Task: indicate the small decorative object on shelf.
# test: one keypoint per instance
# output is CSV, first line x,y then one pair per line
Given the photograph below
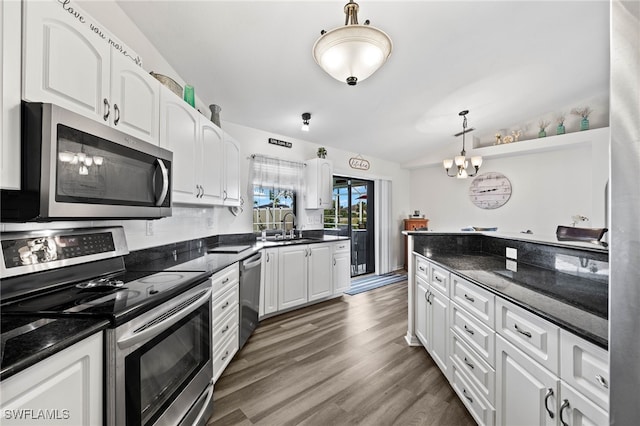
x,y
507,139
215,114
322,152
560,130
498,138
578,218
516,135
543,124
584,113
189,95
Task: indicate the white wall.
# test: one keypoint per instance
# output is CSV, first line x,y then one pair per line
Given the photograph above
x,y
547,189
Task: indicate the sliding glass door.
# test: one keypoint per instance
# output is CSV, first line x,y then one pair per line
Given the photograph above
x,y
352,216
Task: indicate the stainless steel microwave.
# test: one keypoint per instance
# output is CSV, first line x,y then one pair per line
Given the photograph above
x,y
76,168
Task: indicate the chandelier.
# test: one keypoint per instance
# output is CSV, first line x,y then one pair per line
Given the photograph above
x,y
353,52
461,161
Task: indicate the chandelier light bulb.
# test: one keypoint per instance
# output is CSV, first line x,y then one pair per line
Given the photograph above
x,y
98,160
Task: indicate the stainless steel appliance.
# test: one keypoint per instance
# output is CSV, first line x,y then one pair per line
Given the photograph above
x,y
75,167
158,348
249,295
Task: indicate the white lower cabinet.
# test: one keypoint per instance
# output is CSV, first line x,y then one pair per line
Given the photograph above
x,y
320,262
526,393
577,410
481,410
64,389
292,276
341,267
269,282
225,315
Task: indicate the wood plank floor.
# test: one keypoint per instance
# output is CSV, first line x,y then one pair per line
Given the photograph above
x,y
344,361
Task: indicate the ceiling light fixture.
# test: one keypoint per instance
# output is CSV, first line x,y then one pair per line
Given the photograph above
x,y
305,121
353,52
461,161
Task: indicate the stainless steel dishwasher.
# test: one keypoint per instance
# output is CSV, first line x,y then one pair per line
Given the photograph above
x,y
249,295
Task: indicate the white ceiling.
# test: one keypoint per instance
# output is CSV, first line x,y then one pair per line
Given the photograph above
x,y
505,61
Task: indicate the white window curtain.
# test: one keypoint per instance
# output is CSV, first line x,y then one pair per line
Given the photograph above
x,y
270,172
382,209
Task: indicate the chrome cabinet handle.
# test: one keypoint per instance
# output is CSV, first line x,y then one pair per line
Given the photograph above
x,y
468,330
116,111
469,298
464,392
107,109
225,305
565,404
546,400
224,330
224,193
226,354
521,331
421,268
226,280
267,256
334,262
426,295
468,363
437,278
603,382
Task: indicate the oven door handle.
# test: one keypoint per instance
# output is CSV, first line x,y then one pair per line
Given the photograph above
x,y
158,324
203,411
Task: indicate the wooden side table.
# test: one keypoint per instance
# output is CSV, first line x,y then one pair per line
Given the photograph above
x,y
411,225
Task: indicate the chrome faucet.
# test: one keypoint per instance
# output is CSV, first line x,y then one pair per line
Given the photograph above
x,y
293,223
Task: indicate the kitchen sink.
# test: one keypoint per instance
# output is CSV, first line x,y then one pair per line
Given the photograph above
x,y
288,241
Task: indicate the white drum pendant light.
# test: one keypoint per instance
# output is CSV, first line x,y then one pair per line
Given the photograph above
x,y
353,52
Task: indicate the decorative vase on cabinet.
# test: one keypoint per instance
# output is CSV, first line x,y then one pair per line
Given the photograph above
x,y
584,124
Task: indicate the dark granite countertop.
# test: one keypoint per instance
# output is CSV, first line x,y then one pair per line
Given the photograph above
x,y
27,340
574,302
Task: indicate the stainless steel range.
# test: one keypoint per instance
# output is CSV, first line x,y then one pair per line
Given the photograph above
x,y
158,366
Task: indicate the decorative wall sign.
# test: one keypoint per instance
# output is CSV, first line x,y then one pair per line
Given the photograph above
x,y
285,144
490,190
359,163
82,19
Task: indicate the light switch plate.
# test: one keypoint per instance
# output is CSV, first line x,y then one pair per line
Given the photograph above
x,y
512,253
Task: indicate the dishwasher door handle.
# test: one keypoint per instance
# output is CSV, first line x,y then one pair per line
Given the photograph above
x,y
251,263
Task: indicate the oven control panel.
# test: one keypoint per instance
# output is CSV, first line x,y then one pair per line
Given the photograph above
x,y
45,250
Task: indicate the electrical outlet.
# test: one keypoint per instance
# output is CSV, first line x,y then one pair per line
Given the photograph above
x,y
512,265
512,253
149,228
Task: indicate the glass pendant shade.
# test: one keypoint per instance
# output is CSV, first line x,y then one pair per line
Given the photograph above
x,y
447,163
460,160
476,161
352,51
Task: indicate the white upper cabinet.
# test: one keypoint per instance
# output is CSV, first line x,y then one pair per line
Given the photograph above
x,y
70,60
179,134
231,172
10,29
209,162
318,184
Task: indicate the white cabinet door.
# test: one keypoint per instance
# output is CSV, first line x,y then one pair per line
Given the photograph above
x,y
231,172
62,63
318,184
526,393
179,134
210,162
439,329
10,94
319,281
422,303
292,274
577,410
341,271
269,303
135,99
68,385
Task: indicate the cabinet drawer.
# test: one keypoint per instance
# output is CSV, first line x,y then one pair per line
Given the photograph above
x,y
575,409
222,328
480,409
225,303
474,299
342,247
585,367
422,268
439,278
476,334
222,357
533,335
224,279
476,369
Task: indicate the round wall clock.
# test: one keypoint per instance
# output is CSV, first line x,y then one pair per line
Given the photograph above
x,y
490,190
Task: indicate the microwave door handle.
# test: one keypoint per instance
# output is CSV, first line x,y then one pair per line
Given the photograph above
x,y
165,182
